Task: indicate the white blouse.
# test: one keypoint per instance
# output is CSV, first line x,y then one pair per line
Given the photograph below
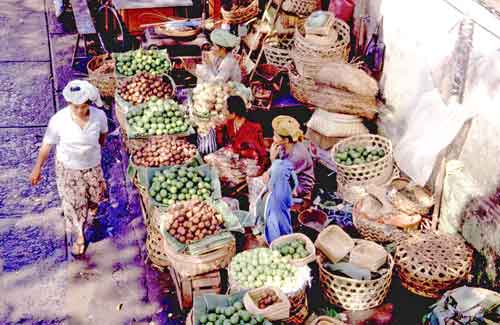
x,y
77,148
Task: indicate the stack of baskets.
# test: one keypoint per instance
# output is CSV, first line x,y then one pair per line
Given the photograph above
x,y
351,179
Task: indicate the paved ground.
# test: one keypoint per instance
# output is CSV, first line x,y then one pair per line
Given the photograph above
x,y
40,284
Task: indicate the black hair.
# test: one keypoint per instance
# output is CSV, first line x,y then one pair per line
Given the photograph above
x,y
237,106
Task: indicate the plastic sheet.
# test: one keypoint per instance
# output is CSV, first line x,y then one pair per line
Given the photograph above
x,y
419,147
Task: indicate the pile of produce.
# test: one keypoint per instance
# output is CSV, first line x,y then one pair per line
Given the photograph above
x,y
179,183
263,267
209,99
158,117
143,87
358,155
154,62
268,298
296,249
192,221
235,314
164,152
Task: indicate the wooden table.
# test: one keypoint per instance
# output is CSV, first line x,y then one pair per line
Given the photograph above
x,y
140,12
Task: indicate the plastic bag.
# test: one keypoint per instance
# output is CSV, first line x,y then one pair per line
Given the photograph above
x,y
431,128
458,190
343,9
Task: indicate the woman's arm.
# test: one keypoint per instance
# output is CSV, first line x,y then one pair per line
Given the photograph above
x,y
102,138
43,155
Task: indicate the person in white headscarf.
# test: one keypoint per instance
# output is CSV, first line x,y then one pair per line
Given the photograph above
x,y
220,64
78,131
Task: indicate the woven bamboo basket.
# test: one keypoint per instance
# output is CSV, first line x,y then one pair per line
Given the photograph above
x,y
372,230
299,307
277,311
336,50
352,294
241,15
155,242
354,193
309,246
277,51
302,8
327,320
301,87
101,71
430,263
191,265
376,172
309,66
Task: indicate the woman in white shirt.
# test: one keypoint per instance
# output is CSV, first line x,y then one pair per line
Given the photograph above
x,y
78,131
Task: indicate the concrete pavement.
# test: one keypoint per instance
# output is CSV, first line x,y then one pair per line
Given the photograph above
x,y
40,283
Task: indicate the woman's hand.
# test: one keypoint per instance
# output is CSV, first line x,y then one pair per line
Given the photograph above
x,y
274,151
35,176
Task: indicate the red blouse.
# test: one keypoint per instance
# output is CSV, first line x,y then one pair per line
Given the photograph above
x,y
248,141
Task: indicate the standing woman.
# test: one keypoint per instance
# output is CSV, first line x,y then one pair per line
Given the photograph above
x,y
78,131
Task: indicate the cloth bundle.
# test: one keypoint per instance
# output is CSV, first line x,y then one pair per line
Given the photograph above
x,y
347,77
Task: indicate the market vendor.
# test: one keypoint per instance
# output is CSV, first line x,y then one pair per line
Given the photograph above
x,y
78,131
245,138
288,144
220,65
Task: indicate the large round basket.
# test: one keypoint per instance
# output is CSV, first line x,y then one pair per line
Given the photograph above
x,y
301,87
297,236
302,8
309,66
241,15
354,294
277,51
101,71
336,50
376,172
430,263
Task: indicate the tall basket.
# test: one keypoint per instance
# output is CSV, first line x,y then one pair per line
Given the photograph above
x,y
101,71
277,51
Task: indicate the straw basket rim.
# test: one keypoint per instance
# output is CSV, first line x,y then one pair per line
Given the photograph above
x,y
358,138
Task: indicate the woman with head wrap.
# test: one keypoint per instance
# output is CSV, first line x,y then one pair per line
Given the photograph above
x,y
287,144
221,65
78,131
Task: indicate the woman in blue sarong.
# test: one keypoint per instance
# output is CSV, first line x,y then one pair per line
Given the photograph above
x,y
282,182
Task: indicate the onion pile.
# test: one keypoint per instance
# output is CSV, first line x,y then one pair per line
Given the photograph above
x,y
209,99
192,220
158,117
164,152
268,298
144,86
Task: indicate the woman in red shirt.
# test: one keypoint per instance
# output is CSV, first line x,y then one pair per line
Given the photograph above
x,y
246,138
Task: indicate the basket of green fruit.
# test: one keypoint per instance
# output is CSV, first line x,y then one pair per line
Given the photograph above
x,y
298,246
363,159
171,184
156,62
222,309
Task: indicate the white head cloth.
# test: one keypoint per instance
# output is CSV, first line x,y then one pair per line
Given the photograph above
x,y
80,91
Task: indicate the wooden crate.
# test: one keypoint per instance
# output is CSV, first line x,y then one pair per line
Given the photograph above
x,y
189,287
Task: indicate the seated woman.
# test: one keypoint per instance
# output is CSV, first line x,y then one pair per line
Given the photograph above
x,y
245,137
287,144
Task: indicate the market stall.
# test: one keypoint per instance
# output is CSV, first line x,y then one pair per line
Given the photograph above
x,y
276,141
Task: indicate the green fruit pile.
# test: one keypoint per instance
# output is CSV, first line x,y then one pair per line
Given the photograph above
x,y
158,117
358,155
154,62
180,183
235,314
296,249
262,267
